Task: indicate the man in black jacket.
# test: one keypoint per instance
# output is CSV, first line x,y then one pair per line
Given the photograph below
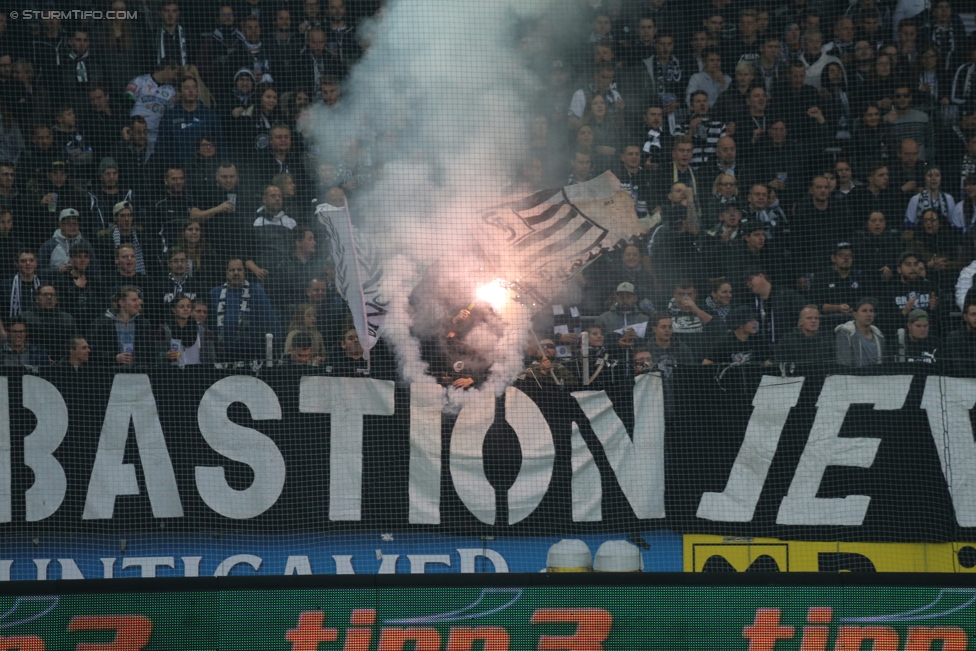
x,y
121,337
960,345
778,307
50,327
807,344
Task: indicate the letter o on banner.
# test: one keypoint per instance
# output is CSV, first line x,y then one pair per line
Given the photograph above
x,y
467,460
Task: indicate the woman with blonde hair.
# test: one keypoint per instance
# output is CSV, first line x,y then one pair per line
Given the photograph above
x,y
303,320
203,93
725,192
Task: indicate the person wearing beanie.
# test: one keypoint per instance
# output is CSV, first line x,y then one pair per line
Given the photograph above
x,y
860,342
741,344
914,343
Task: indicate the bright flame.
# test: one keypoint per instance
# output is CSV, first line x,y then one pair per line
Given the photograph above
x,y
494,293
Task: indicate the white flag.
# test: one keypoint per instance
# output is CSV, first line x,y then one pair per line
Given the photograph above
x,y
357,274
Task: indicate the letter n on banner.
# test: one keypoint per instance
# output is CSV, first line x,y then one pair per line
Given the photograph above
x,y
638,464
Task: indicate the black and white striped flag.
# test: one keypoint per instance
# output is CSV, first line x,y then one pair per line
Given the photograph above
x,y
539,242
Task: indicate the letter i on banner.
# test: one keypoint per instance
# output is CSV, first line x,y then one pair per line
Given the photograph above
x,y
358,272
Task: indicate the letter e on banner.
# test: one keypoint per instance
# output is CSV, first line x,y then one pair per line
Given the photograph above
x,y
824,448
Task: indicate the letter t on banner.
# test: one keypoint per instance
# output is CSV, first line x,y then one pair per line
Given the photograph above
x,y
346,400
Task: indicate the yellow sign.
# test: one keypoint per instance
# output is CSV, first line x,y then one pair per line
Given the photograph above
x,y
729,554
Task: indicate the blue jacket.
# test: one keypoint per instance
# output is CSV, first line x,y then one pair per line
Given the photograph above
x,y
243,339
180,129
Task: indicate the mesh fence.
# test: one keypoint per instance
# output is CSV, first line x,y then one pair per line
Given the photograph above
x,y
428,286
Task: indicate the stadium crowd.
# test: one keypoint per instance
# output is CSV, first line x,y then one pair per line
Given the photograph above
x,y
806,171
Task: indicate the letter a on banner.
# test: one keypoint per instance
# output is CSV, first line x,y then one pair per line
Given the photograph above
x,y
358,273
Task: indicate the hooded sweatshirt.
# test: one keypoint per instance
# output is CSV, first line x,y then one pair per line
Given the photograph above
x,y
854,349
55,250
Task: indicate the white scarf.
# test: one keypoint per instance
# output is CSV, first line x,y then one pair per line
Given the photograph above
x,y
222,307
926,202
281,219
162,45
15,293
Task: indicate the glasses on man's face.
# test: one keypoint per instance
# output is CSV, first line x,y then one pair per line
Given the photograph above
x,y
17,332
931,220
553,346
48,294
901,95
208,145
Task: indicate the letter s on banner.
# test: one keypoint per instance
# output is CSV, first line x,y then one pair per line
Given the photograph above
x,y
824,448
241,444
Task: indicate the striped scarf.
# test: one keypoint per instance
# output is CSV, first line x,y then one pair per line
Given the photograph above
x,y
926,202
16,291
140,260
222,308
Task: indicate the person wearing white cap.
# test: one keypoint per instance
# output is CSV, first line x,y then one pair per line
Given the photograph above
x,y
53,255
619,319
624,312
569,555
618,556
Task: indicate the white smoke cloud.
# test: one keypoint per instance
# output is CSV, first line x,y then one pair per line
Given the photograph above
x,y
444,91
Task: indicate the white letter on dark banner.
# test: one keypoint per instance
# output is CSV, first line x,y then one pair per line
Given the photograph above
x,y
50,484
538,454
241,444
824,448
5,488
947,402
637,464
586,487
771,406
346,400
132,401
467,460
426,402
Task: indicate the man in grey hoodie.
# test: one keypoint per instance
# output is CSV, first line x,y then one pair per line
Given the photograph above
x,y
53,257
859,342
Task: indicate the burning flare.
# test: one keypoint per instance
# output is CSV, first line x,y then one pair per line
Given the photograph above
x,y
496,293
